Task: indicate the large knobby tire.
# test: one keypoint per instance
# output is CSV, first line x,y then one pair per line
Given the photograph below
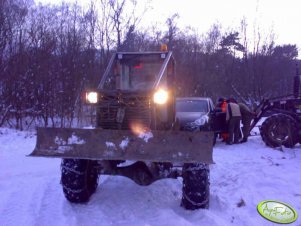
x,y
79,179
279,129
195,186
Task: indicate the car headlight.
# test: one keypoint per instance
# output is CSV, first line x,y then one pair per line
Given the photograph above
x,y
91,97
161,96
202,120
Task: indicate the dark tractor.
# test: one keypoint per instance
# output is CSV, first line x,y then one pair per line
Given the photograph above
x,y
136,134
283,123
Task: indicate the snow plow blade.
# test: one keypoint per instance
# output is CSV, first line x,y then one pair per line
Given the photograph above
x,y
99,144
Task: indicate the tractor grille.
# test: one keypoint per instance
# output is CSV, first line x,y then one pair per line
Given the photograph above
x,y
121,111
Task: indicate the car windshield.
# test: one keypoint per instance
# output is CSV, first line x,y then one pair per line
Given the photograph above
x,y
192,106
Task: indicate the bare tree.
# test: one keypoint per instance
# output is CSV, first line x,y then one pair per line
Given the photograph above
x,y
213,38
172,31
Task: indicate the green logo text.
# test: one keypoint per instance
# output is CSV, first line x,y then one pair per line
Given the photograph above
x,y
277,212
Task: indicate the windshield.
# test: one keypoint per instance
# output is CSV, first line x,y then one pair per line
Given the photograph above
x,y
134,71
192,106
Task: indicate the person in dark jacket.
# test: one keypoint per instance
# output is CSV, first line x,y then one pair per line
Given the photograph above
x,y
246,118
222,105
233,117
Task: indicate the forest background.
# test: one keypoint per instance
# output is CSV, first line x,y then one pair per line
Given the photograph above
x,y
49,54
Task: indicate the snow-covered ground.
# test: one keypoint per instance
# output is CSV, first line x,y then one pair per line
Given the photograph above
x,y
243,176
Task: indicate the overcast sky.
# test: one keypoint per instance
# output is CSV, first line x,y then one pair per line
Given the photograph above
x,y
283,17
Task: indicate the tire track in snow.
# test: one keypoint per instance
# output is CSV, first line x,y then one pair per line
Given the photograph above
x,y
18,189
48,204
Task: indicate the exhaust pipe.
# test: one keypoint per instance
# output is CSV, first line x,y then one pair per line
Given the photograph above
x,y
297,82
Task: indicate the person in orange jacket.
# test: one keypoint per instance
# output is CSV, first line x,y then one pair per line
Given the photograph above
x,y
222,104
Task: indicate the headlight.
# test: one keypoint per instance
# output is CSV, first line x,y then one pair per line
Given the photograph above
x,y
91,97
202,120
161,96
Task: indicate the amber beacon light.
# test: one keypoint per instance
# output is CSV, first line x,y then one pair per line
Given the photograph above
x,y
164,47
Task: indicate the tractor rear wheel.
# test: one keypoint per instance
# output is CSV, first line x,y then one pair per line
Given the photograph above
x,y
195,186
79,179
279,129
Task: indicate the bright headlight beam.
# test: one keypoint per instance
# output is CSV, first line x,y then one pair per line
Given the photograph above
x,y
92,97
161,96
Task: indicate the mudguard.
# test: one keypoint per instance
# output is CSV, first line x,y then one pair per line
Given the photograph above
x,y
100,144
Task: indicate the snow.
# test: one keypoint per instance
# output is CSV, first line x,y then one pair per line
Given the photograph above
x,y
75,140
110,145
124,143
66,146
243,176
146,136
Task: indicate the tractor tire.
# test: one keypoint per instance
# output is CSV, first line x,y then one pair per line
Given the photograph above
x,y
195,186
279,129
79,179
